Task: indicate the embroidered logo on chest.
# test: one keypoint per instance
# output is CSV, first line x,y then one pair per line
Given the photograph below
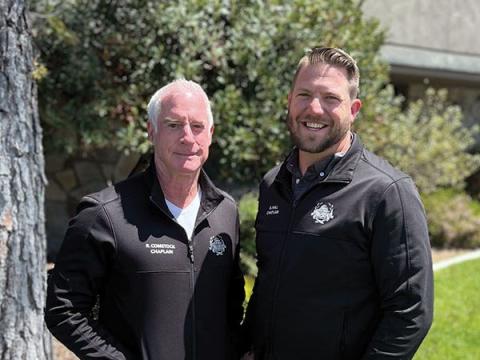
x,y
217,245
322,213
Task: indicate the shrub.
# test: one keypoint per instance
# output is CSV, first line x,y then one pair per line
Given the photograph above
x,y
106,58
427,140
247,207
454,219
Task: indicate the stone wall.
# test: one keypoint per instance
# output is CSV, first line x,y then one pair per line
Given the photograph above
x,y
72,176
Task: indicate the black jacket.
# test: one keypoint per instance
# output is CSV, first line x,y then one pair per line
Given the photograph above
x,y
159,296
345,272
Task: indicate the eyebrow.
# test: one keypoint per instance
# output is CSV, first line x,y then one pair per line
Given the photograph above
x,y
169,119
302,90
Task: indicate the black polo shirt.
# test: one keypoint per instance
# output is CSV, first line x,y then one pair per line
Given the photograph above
x,y
314,174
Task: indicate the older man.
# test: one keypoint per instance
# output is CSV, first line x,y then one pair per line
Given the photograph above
x,y
158,252
344,259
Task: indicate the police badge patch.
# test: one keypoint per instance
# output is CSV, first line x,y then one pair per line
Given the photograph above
x,y
322,213
217,245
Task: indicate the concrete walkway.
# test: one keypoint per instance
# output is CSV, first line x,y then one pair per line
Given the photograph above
x,y
457,259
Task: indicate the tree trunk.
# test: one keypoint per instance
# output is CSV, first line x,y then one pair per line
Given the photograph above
x,y
22,185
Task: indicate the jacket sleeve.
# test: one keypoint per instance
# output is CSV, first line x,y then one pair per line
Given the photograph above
x,y
236,293
402,265
76,281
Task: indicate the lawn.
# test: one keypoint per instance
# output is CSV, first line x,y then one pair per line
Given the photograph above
x,y
455,333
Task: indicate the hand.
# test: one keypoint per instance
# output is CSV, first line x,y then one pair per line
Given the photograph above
x,y
248,356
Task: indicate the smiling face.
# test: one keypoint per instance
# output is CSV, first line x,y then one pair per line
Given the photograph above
x,y
320,110
184,133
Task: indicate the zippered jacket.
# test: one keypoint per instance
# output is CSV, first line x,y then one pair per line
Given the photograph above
x,y
128,284
345,271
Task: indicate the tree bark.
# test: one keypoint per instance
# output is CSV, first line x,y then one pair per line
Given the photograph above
x,y
22,185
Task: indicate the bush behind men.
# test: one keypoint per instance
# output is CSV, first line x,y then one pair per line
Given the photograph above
x,y
344,263
160,250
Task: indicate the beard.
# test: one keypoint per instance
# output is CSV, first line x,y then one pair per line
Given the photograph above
x,y
310,143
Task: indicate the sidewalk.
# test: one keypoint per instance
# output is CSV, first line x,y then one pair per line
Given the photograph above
x,y
475,254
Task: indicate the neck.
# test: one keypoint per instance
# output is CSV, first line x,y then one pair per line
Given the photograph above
x,y
306,159
178,189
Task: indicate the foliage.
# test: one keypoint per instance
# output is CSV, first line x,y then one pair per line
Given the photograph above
x,y
455,334
100,61
249,282
106,58
427,140
454,219
247,207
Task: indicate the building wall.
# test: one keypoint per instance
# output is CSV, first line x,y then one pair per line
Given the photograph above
x,y
433,43
434,39
445,25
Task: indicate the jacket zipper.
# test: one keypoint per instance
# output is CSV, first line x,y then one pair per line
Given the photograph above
x,y
269,350
192,280
191,257
192,283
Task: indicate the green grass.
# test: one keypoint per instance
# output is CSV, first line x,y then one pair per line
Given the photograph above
x,y
455,333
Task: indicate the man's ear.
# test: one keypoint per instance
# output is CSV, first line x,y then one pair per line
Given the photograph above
x,y
150,131
355,108
211,131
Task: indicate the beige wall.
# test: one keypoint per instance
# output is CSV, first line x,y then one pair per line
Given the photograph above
x,y
449,25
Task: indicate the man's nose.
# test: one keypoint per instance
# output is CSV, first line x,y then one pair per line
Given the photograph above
x,y
187,136
316,106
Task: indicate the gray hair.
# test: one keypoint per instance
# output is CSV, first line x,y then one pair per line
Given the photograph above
x,y
155,104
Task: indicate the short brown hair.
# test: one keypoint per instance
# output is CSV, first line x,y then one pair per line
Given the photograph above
x,y
335,57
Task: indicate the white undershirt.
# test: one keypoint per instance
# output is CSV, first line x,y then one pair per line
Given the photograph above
x,y
186,217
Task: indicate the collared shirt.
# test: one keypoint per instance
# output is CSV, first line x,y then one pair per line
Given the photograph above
x,y
315,173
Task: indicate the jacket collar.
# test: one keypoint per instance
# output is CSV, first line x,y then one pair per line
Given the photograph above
x,y
211,195
342,172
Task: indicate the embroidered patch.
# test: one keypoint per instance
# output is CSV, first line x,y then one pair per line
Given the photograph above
x,y
166,249
322,213
273,210
217,245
